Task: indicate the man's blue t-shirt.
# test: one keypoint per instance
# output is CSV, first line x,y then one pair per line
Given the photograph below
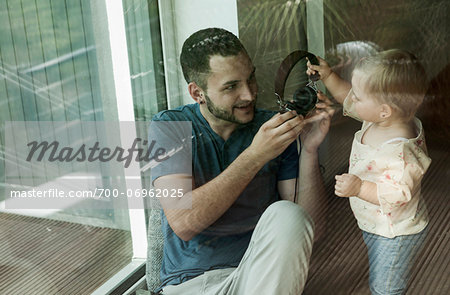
x,y
224,243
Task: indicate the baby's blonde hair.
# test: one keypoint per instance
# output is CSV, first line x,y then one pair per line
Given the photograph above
x,y
395,77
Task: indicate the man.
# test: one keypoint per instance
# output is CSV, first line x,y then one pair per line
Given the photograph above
x,y
243,234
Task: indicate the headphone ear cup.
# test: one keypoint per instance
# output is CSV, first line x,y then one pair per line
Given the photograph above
x,y
304,100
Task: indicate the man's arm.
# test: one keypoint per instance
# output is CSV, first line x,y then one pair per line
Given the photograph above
x,y
209,201
310,189
310,186
213,199
286,189
312,194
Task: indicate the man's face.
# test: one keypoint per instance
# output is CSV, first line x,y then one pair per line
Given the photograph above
x,y
232,88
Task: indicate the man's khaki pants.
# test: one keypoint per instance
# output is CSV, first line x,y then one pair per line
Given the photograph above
x,y
275,263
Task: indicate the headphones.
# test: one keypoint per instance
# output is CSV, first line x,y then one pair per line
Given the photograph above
x,y
305,98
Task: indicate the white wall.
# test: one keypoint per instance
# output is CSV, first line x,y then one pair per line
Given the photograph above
x,y
181,18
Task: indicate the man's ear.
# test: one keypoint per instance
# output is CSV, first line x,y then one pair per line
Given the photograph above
x,y
196,92
386,111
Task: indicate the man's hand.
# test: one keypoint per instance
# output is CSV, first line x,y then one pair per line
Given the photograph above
x,y
324,102
347,185
317,126
275,136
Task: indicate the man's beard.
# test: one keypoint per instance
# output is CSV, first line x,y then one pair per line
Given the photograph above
x,y
223,114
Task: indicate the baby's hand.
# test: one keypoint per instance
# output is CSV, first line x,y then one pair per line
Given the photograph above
x,y
347,185
323,68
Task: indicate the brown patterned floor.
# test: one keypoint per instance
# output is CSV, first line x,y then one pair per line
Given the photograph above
x,y
41,256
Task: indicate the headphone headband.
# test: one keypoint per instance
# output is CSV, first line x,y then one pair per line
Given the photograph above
x,y
286,67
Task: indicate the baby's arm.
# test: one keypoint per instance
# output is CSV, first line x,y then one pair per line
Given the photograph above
x,y
337,86
350,185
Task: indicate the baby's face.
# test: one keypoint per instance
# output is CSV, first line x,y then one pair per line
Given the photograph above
x,y
366,106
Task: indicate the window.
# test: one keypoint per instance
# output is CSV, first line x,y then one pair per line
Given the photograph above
x,y
62,70
70,68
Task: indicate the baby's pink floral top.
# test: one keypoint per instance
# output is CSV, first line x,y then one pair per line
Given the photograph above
x,y
397,168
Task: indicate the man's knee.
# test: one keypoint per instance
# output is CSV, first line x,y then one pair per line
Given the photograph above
x,y
288,212
289,220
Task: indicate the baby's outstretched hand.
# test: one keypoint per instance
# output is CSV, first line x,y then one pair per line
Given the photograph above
x,y
347,185
323,69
